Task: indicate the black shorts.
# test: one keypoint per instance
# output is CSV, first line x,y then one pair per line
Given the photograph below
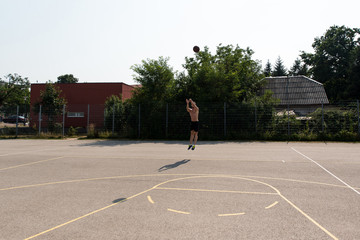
x,y
194,126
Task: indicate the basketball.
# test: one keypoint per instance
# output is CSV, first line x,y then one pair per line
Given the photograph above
x,y
196,49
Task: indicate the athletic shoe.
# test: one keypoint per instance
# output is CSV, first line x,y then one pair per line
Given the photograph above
x,y
193,147
189,147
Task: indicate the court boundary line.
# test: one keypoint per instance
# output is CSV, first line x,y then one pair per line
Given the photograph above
x,y
318,164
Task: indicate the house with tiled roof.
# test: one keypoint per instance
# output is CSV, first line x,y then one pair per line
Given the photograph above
x,y
301,94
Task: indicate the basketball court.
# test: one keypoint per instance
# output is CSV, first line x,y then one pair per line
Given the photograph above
x,y
89,189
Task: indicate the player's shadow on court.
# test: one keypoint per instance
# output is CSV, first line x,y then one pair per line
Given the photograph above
x,y
174,165
119,200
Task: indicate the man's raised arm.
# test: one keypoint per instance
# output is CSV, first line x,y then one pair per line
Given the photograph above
x,y
193,104
187,105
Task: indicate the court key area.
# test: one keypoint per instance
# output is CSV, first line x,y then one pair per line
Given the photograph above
x,y
98,189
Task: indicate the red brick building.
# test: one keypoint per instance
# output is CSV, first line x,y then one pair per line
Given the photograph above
x,y
85,102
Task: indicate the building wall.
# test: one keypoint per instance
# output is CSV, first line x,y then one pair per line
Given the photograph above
x,y
82,98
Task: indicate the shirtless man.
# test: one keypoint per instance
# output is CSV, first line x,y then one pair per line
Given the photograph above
x,y
194,127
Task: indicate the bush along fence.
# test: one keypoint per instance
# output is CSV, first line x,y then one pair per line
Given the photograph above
x,y
218,121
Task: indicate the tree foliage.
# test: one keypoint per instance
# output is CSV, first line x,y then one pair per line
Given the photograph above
x,y
279,68
115,113
333,62
156,78
230,75
267,69
299,68
14,90
51,102
67,78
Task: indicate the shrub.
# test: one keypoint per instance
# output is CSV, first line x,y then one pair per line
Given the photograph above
x,y
72,131
92,132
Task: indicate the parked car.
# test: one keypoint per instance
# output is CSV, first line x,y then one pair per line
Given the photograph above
x,y
12,119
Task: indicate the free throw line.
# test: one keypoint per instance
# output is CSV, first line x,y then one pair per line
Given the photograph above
x,y
326,170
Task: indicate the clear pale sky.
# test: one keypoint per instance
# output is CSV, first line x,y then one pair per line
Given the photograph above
x,y
99,40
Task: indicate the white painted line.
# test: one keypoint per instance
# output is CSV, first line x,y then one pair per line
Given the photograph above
x,y
326,170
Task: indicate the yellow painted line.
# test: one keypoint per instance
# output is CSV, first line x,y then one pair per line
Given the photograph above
x,y
106,207
272,187
27,164
30,151
150,200
184,178
18,153
218,191
272,205
163,175
78,180
176,211
296,181
86,215
231,214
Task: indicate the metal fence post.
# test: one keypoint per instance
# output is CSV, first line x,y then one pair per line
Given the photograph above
x,y
322,116
17,120
63,123
113,120
40,120
88,117
167,119
287,100
105,126
224,119
255,118
288,113
139,121
358,116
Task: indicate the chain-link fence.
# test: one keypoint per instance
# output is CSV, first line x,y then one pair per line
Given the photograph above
x,y
234,121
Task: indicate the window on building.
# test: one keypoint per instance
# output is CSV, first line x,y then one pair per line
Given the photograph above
x,y
75,114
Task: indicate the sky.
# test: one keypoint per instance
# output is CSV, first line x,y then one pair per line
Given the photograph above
x,y
99,40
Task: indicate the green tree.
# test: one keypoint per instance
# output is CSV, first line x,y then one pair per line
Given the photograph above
x,y
279,68
115,113
332,62
51,103
354,78
267,69
230,75
299,68
67,78
156,78
14,90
